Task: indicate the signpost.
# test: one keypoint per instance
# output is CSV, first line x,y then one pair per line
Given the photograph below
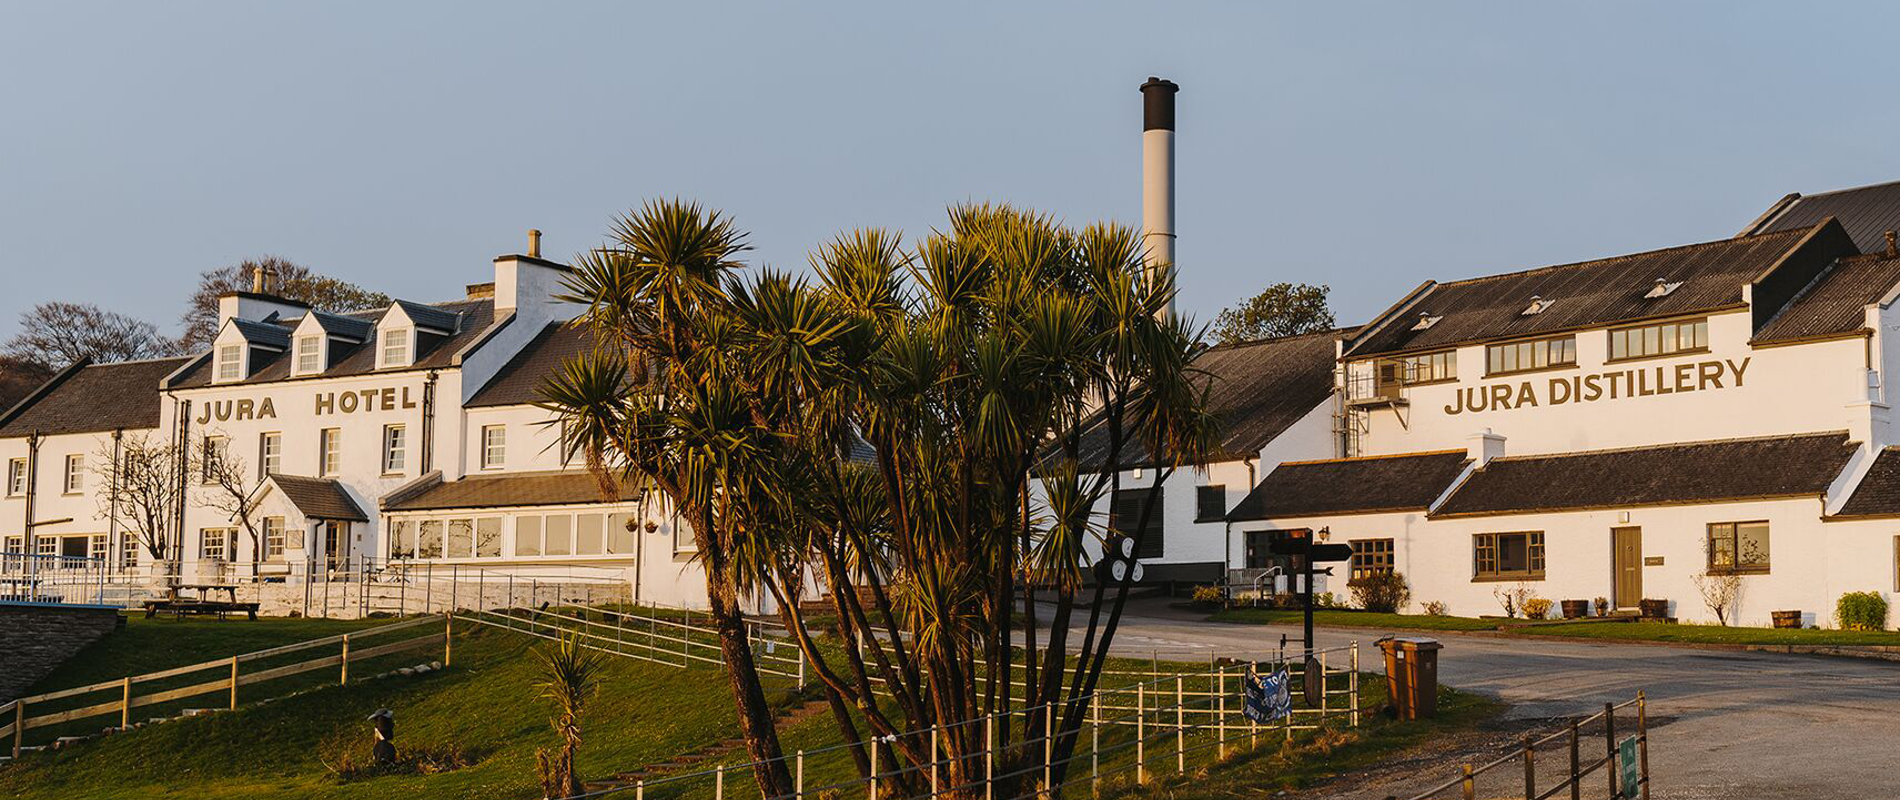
x,y
1300,545
1629,768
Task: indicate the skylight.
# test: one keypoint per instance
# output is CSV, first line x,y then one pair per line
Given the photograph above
x,y
1426,321
1662,289
1537,306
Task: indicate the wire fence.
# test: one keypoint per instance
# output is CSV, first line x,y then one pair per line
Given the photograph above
x,y
39,578
1572,755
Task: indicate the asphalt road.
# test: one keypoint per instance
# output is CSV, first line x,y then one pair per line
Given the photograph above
x,y
1725,724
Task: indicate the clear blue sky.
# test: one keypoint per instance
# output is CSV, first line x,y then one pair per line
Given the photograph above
x,y
1369,146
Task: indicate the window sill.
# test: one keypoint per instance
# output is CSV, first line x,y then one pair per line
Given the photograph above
x,y
1528,576
1433,382
1531,371
1738,570
1655,356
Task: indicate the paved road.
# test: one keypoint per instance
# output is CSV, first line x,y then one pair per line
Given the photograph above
x,y
1731,724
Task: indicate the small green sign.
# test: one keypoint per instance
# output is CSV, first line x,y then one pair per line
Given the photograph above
x,y
1631,767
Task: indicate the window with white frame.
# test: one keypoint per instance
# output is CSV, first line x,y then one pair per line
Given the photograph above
x,y
461,538
396,347
395,449
527,536
128,550
75,473
273,538
329,451
488,537
211,461
16,477
402,539
309,355
494,446
270,454
96,547
429,539
683,541
1661,339
12,546
211,543
46,545
230,362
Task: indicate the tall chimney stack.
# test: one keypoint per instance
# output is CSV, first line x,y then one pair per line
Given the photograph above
x,y
534,243
1157,175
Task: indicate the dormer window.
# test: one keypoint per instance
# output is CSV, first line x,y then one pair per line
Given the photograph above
x,y
396,347
309,355
230,362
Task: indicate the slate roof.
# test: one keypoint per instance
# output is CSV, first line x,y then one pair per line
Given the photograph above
x,y
1835,303
1256,391
1867,212
1364,485
1697,472
319,498
476,316
512,489
518,382
1602,292
92,398
428,316
269,333
1878,494
339,325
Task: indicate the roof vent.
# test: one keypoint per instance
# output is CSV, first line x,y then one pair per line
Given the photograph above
x,y
1425,321
1893,244
1662,288
1537,306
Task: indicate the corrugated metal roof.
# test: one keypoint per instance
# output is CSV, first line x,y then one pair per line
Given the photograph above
x,y
93,398
1696,472
1867,212
1256,390
1581,295
1367,485
1835,304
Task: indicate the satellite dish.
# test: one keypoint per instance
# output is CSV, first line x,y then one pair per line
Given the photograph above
x,y
1127,547
1138,572
1117,569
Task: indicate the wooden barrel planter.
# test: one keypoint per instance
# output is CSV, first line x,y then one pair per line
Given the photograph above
x,y
1787,619
1653,609
1576,609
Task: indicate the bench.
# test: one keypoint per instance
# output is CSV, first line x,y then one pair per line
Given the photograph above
x,y
178,608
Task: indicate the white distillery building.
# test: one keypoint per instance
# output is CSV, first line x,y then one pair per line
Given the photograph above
x,y
403,437
1611,429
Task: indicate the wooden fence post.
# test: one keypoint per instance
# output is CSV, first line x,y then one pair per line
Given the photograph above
x,y
1642,739
1141,733
234,682
1180,728
125,702
1530,766
798,779
19,726
1469,785
1576,765
345,677
1609,749
448,638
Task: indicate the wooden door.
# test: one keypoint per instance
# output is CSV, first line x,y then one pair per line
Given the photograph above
x,y
1627,545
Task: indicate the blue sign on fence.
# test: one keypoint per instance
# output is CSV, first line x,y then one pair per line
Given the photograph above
x,y
1267,698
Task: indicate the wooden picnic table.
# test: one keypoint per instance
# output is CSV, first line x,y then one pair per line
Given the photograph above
x,y
178,606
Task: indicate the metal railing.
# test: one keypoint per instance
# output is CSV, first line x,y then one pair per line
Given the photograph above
x,y
1625,762
31,578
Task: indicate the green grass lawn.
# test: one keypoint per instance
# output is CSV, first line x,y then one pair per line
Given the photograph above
x,y
149,645
1353,619
1607,631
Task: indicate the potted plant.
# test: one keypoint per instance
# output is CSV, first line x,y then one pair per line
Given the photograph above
x,y
1787,619
1653,609
1603,606
1576,609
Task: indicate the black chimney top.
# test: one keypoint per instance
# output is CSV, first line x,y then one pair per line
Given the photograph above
x,y
1157,102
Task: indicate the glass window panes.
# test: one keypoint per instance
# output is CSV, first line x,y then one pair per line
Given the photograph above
x,y
230,362
270,453
1660,339
1429,367
558,530
588,535
273,537
329,451
461,534
16,477
309,354
1508,555
396,347
1210,502
1738,546
211,544
129,550
683,536
429,539
619,539
527,536
402,539
75,473
1371,557
395,448
1538,354
494,446
488,537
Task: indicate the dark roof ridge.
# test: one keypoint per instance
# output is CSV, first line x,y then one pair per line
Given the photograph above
x,y
1350,459
1623,256
1339,331
39,392
1847,189
1670,445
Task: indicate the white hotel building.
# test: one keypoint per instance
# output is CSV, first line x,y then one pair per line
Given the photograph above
x,y
1604,429
406,435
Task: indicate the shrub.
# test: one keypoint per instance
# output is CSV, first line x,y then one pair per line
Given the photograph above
x,y
1861,611
1512,599
1208,596
1435,608
1536,607
1384,592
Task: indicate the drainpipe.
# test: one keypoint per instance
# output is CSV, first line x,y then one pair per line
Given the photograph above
x,y
32,488
428,424
114,542
183,443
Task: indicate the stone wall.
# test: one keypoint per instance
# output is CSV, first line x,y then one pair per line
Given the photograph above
x,y
37,639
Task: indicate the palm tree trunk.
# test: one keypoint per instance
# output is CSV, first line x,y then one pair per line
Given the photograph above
x,y
755,715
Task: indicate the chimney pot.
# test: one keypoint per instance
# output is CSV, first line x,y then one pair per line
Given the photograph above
x,y
257,279
534,243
